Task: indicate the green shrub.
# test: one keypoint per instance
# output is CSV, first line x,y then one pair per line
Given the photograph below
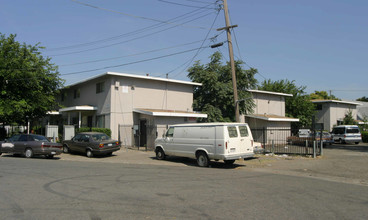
x,y
103,130
365,136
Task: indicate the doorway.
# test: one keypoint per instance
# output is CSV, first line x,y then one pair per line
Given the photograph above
x,y
143,133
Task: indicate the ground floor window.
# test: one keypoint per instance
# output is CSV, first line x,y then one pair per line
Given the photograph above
x,y
100,121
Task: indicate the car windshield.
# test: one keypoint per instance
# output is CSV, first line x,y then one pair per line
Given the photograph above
x,y
100,137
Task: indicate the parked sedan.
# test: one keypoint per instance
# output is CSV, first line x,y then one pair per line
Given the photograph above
x,y
30,145
91,143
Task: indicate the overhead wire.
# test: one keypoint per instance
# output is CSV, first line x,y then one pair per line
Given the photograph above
x,y
163,23
131,55
135,16
126,41
196,54
180,4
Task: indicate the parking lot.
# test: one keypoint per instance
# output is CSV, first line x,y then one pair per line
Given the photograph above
x,y
341,163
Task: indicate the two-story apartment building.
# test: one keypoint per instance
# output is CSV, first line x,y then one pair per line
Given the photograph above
x,y
332,112
136,108
268,121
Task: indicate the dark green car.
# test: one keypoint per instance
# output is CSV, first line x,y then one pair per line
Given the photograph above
x,y
91,143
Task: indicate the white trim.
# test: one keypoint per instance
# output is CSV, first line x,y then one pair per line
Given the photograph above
x,y
53,113
137,77
170,114
269,92
270,118
335,101
79,108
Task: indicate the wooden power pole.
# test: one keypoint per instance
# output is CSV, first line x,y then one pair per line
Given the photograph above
x,y
232,63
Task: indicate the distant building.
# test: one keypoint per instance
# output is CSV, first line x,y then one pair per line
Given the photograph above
x,y
332,112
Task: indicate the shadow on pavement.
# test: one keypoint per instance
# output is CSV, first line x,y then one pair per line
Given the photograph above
x,y
193,162
362,147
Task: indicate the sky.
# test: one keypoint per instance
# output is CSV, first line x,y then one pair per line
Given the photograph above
x,y
321,45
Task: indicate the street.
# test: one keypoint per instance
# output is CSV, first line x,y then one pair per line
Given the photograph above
x,y
63,189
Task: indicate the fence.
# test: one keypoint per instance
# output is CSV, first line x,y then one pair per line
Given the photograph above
x,y
283,141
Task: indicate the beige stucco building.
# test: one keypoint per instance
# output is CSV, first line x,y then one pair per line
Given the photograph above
x,y
136,108
331,112
268,121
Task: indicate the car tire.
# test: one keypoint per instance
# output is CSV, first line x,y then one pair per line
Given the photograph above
x,y
355,143
49,156
66,149
89,153
160,154
28,153
229,162
202,159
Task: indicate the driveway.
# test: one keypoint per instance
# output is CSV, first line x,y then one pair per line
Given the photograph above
x,y
340,163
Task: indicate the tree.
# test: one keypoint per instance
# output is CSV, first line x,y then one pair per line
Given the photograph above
x,y
363,99
348,119
29,82
298,106
322,95
215,97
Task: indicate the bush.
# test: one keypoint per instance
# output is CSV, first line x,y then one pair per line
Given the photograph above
x,y
103,130
365,136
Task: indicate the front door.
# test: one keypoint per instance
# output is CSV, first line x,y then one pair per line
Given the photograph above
x,y
142,133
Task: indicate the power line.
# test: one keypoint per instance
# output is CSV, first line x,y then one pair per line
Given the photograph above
x,y
191,60
180,4
130,63
126,41
169,21
135,16
130,55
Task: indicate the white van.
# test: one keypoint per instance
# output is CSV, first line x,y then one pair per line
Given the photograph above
x,y
346,134
206,141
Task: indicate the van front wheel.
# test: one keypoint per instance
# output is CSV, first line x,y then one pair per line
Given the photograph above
x,y
202,159
160,154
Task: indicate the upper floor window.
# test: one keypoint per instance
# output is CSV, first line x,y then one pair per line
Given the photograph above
x,y
100,87
63,96
76,93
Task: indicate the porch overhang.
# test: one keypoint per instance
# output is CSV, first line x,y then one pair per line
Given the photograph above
x,y
78,108
170,113
266,117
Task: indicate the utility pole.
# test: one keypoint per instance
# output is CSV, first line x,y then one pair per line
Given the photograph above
x,y
231,54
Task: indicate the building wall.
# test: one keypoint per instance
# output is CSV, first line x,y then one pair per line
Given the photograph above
x,y
269,104
331,113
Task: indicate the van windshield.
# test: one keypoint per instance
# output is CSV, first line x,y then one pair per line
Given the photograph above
x,y
243,131
232,132
352,130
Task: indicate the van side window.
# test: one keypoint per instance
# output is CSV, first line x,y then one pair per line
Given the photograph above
x,y
170,132
232,132
352,130
243,131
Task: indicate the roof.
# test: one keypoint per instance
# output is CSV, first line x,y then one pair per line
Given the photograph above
x,y
266,117
269,92
137,77
170,113
362,111
78,108
334,101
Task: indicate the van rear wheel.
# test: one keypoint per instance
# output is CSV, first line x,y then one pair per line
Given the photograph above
x,y
202,159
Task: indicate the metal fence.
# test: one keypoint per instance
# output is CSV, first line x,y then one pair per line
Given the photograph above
x,y
277,140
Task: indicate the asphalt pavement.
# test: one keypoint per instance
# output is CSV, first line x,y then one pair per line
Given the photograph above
x,y
339,163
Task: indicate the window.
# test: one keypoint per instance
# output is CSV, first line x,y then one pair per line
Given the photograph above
x,y
232,132
100,121
243,131
318,107
170,132
100,87
76,93
63,96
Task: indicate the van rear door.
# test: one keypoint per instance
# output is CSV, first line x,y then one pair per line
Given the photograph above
x,y
239,141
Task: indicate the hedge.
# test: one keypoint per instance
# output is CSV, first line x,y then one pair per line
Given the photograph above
x,y
365,136
103,130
